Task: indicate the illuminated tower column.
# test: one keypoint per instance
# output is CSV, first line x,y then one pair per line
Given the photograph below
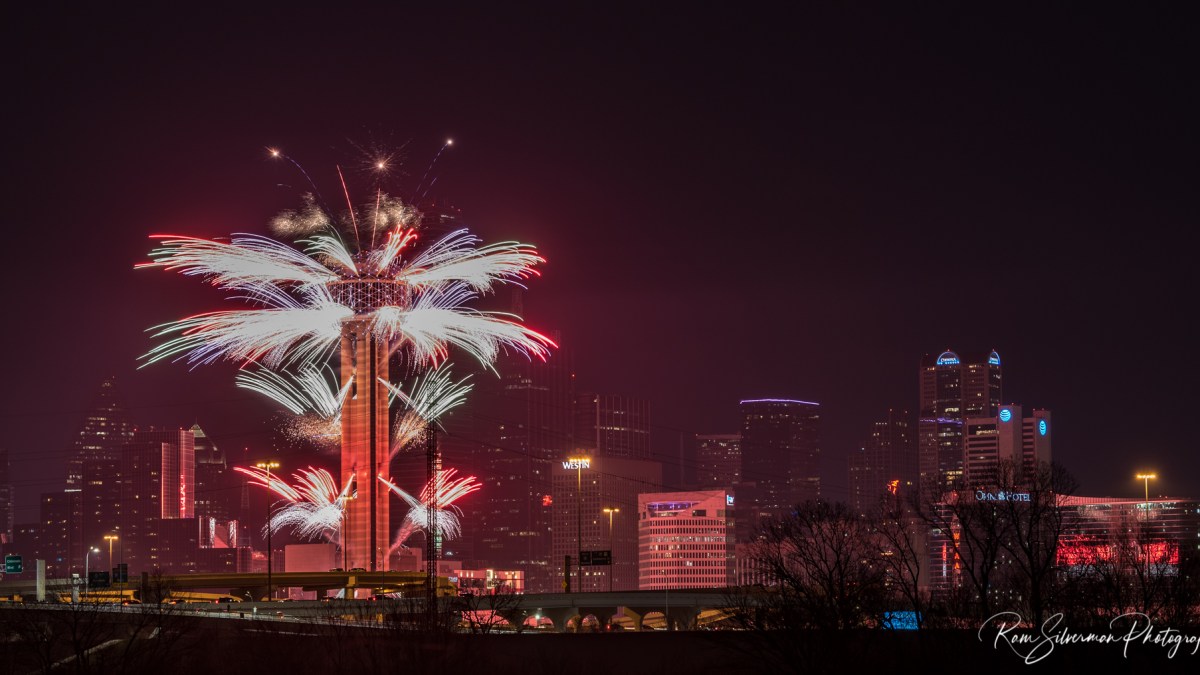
x,y
365,445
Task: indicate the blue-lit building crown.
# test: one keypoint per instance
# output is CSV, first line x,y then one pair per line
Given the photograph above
x,y
947,359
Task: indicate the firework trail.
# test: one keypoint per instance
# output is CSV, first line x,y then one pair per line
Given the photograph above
x,y
312,508
444,490
449,142
276,153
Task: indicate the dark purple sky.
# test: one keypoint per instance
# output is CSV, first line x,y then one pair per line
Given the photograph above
x,y
733,203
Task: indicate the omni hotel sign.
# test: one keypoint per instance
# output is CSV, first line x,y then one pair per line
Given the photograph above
x,y
981,496
576,464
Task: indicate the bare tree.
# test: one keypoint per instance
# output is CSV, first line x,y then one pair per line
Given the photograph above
x,y
824,562
30,638
901,550
775,636
160,635
1035,523
822,569
1145,566
1182,608
972,533
486,612
64,637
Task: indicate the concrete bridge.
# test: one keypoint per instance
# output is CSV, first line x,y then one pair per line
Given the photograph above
x,y
674,609
240,584
680,609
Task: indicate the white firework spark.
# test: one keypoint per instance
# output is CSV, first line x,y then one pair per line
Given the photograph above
x,y
432,396
312,508
273,336
455,258
446,490
311,390
248,263
438,320
311,395
301,299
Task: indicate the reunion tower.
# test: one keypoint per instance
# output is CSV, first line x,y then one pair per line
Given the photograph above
x,y
357,285
365,430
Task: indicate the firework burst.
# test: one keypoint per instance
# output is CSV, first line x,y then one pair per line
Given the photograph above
x,y
432,396
301,298
312,508
444,490
363,280
311,395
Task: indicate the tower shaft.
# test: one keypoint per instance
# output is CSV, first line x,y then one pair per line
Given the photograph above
x,y
365,445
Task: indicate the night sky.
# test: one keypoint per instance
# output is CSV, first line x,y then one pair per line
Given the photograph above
x,y
734,203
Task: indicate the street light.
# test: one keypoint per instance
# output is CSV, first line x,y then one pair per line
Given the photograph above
x,y
110,538
611,511
579,464
345,534
87,559
1146,478
267,466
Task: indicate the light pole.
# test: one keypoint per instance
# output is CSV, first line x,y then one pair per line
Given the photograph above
x,y
579,464
267,466
87,559
346,592
346,530
1146,478
611,566
110,538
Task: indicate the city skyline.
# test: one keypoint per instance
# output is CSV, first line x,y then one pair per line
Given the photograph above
x,y
856,216
467,444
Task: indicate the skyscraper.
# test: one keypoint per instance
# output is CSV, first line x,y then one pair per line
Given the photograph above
x,y
580,522
781,445
100,502
51,538
952,388
513,428
220,493
158,487
686,540
1009,437
147,499
612,426
105,430
886,463
718,460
